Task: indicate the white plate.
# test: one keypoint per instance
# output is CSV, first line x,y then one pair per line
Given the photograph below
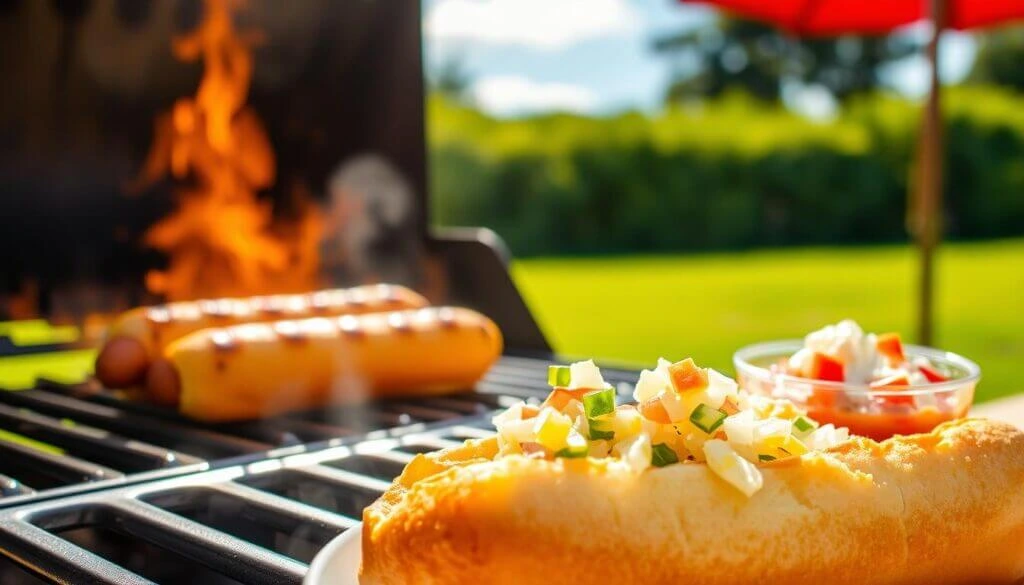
x,y
338,562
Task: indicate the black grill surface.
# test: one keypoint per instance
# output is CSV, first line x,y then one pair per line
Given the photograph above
x,y
95,438
259,522
251,519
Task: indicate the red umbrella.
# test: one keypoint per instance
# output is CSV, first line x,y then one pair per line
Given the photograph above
x,y
836,17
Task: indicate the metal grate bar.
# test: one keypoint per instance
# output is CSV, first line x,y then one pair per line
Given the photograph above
x,y
422,412
309,431
58,560
260,434
225,554
342,478
56,468
91,443
12,487
462,432
357,418
131,425
398,457
461,405
296,512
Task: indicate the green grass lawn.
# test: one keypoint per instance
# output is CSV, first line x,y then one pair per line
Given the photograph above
x,y
634,309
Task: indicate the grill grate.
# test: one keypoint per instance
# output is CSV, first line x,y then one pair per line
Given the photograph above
x,y
81,437
260,522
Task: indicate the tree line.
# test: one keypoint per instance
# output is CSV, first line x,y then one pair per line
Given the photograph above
x,y
732,173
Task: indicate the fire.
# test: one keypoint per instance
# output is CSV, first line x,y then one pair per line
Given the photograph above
x,y
223,239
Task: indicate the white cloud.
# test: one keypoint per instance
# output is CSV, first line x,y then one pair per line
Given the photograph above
x,y
539,24
510,95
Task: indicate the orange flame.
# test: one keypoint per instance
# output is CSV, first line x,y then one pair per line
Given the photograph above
x,y
222,239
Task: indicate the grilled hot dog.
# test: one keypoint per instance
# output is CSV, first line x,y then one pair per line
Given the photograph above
x,y
141,334
262,369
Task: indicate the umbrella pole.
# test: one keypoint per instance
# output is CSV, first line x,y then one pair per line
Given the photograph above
x,y
926,218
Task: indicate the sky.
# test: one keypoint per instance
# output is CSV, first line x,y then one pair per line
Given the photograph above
x,y
594,57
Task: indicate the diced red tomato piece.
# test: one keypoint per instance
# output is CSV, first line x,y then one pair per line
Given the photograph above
x,y
891,347
933,374
825,367
685,376
560,397
654,410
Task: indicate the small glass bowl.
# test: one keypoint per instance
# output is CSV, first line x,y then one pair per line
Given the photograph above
x,y
866,411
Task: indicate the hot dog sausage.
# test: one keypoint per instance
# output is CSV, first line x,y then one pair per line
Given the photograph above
x,y
261,369
141,334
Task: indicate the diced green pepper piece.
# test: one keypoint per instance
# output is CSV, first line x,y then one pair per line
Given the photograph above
x,y
558,376
599,402
600,429
662,455
765,458
576,447
804,426
706,418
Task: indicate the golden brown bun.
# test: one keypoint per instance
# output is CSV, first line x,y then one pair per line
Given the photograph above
x,y
262,369
140,335
945,507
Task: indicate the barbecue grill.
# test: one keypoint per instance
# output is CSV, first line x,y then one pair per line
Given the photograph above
x,y
95,488
257,522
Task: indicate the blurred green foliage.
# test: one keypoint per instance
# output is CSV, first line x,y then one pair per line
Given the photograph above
x,y
731,173
1000,58
761,59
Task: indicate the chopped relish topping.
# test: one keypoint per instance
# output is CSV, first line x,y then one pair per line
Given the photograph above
x,y
662,455
684,414
558,375
845,353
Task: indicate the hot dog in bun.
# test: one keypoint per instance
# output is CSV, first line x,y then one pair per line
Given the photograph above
x,y
699,483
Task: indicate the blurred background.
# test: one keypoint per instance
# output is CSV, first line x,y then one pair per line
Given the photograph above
x,y
675,181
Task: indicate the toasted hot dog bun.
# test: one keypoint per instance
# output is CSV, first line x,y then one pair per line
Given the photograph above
x,y
262,369
140,335
943,507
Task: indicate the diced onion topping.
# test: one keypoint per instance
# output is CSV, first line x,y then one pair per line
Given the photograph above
x,y
736,470
688,414
585,375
